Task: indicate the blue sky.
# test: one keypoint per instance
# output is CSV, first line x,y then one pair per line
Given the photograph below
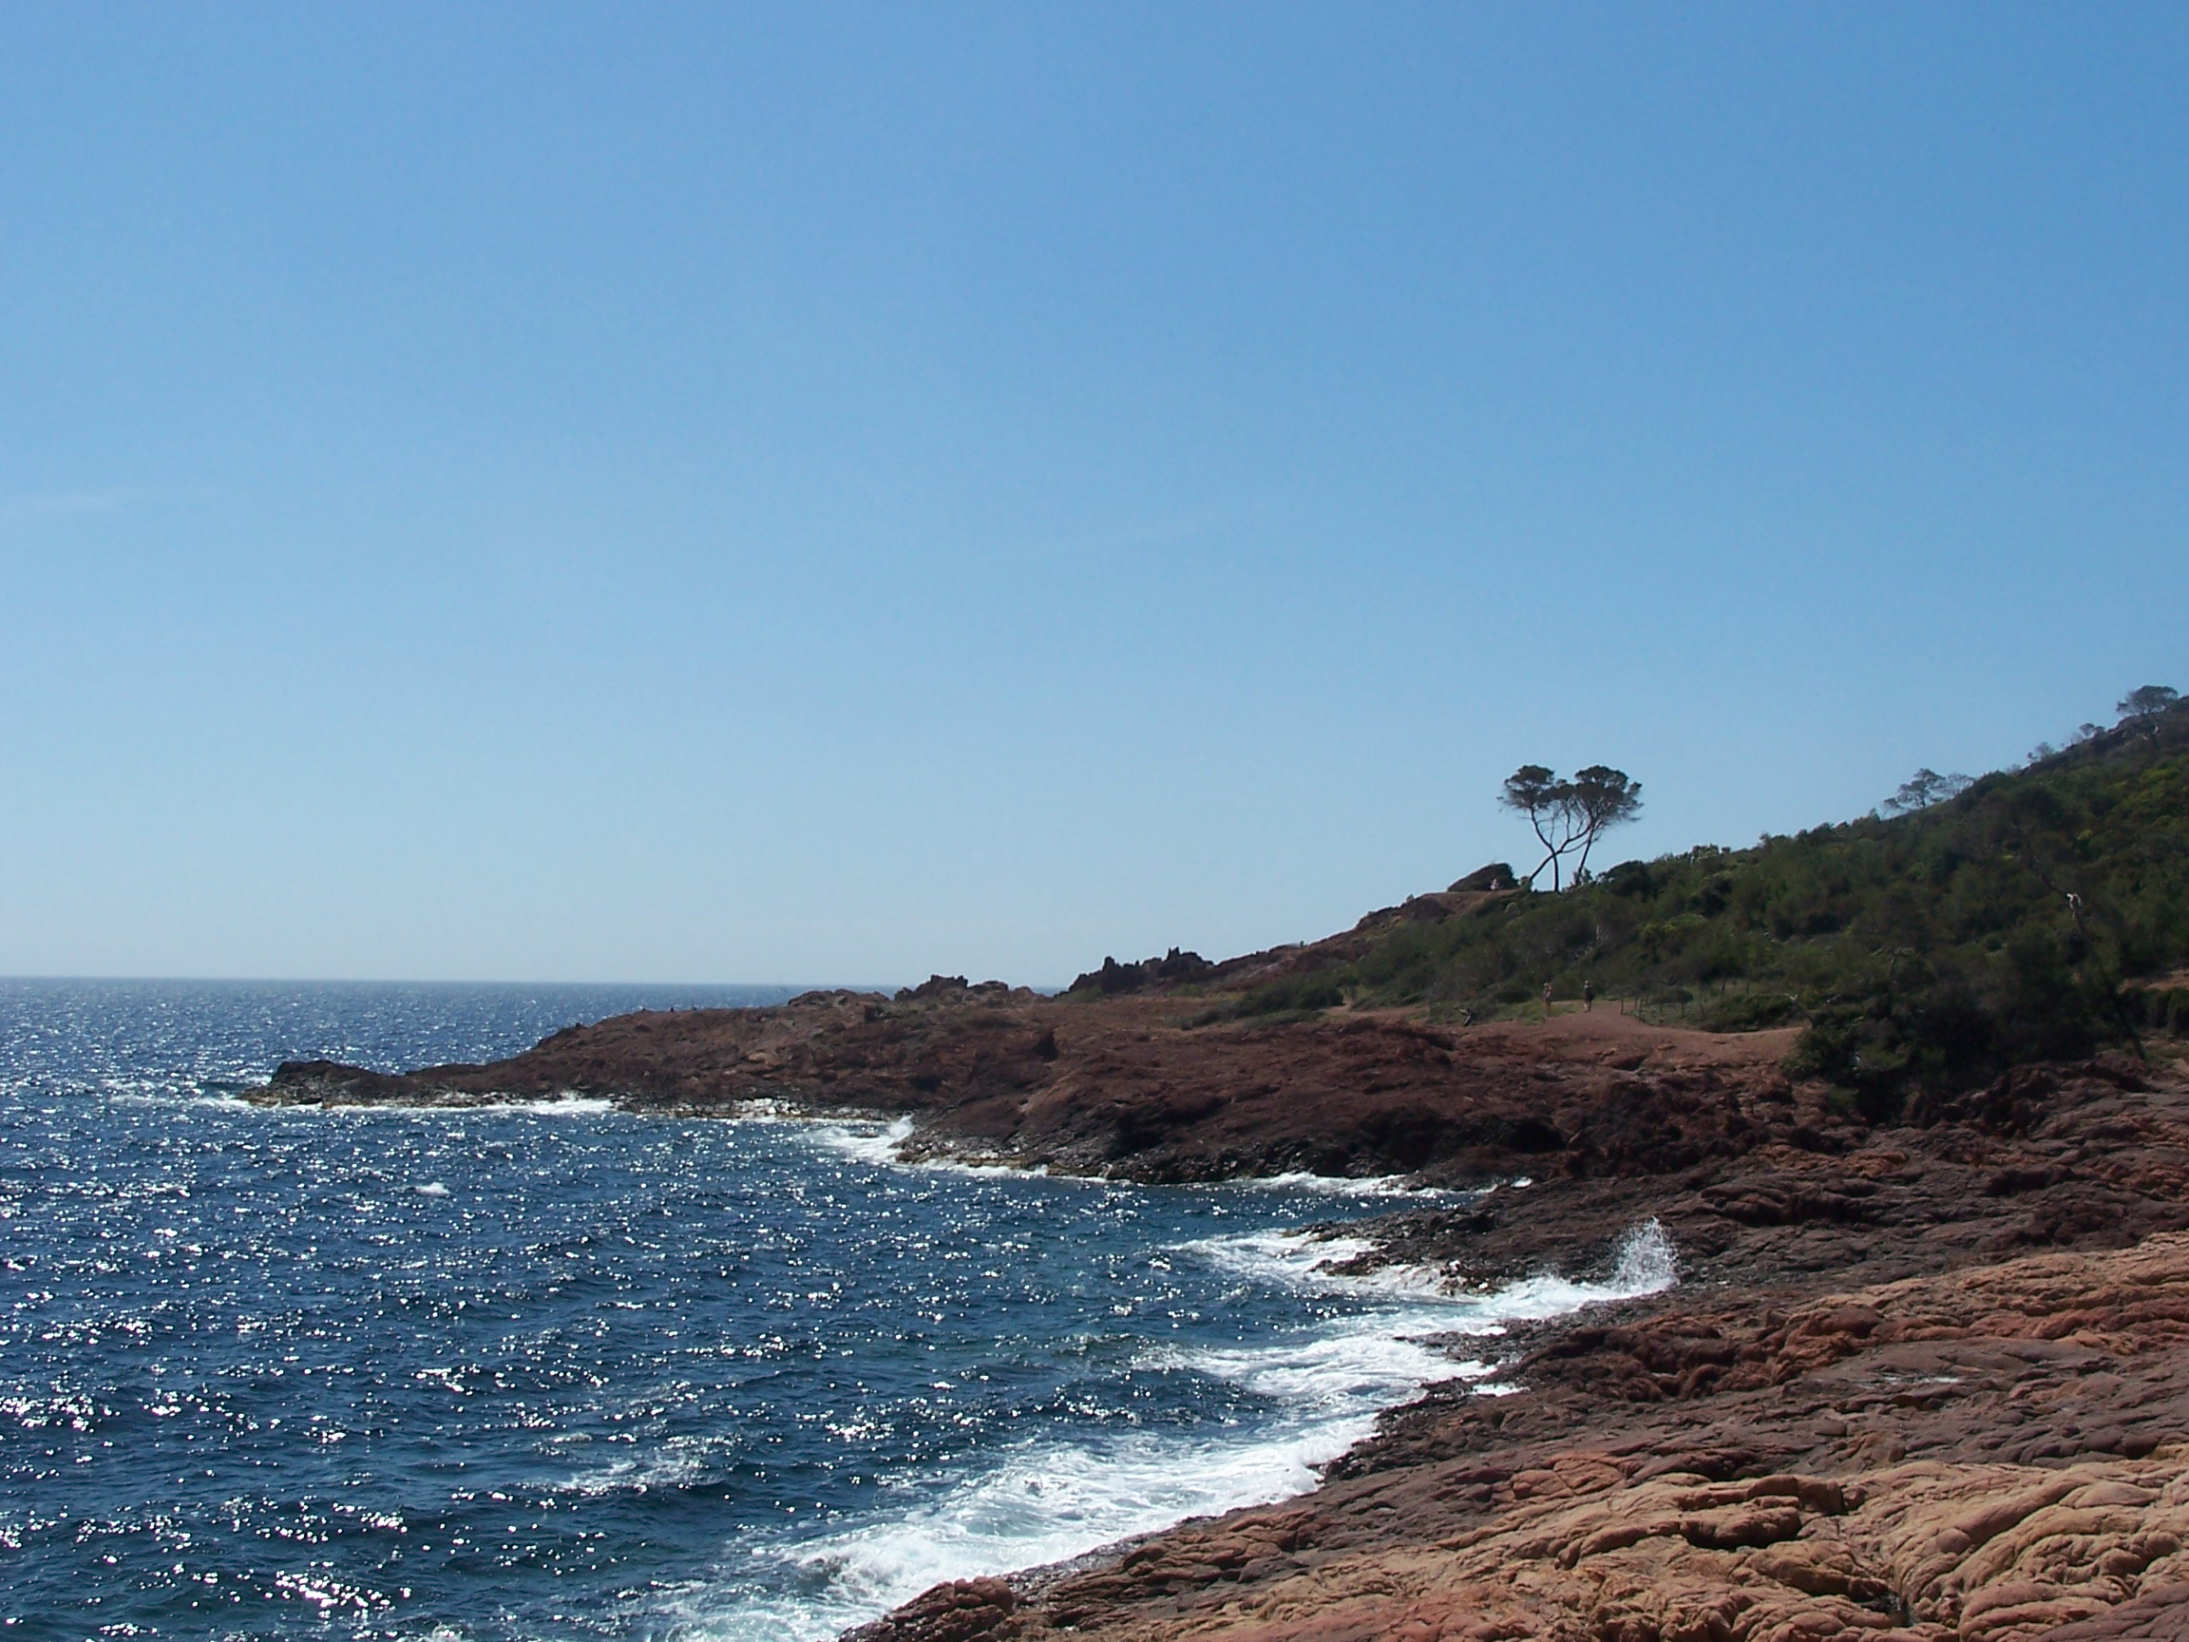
x,y
835,492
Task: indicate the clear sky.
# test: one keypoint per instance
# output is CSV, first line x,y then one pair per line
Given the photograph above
x,y
837,492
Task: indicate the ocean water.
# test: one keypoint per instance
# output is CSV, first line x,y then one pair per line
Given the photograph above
x,y
553,1371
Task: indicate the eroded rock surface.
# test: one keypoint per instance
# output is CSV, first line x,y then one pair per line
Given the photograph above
x,y
1919,1381
1992,1454
1132,1086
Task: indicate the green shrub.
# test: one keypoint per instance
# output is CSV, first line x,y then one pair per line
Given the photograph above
x,y
1749,1012
1931,950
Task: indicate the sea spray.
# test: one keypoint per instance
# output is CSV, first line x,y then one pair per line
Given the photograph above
x,y
1322,1385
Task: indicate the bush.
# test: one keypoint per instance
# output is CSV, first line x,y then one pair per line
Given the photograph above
x,y
1295,994
1750,1012
1930,950
2158,1009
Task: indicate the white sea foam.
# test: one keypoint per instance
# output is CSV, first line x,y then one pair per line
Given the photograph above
x,y
1646,1264
1386,1185
1039,1504
1047,1502
1276,1256
762,1110
882,1143
567,1104
155,1092
1376,1362
864,1142
432,1188
1308,1262
980,1166
672,1464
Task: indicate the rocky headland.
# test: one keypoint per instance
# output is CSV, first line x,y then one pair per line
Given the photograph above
x,y
1925,1373
1921,1378
1907,1094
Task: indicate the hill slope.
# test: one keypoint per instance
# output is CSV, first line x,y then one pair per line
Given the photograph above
x,y
2022,919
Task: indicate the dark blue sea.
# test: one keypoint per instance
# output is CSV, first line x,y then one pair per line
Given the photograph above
x,y
553,1371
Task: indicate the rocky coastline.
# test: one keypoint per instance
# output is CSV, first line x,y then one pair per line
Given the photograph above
x,y
1926,1380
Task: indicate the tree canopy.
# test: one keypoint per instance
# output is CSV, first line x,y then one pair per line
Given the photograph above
x,y
1606,797
2040,914
2145,705
1570,814
1925,788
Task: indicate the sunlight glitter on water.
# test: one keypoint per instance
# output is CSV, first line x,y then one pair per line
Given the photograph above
x,y
512,1373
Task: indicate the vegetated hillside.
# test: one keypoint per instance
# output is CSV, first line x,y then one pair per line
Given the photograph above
x,y
2035,915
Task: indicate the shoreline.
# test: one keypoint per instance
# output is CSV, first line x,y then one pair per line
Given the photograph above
x,y
899,1143
1767,1445
1937,1458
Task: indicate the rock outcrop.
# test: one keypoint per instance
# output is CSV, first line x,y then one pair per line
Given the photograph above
x,y
1993,1455
1927,1380
1173,968
1131,1086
